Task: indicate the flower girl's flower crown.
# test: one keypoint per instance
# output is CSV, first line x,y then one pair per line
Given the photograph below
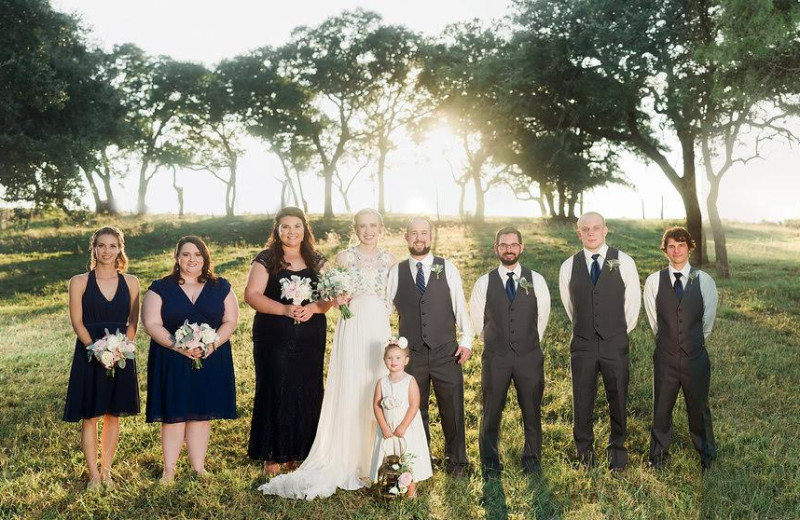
x,y
400,342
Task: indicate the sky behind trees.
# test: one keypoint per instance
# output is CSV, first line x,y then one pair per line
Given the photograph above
x,y
418,177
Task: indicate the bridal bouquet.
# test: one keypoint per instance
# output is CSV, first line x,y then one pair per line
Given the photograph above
x,y
191,335
297,289
112,350
334,284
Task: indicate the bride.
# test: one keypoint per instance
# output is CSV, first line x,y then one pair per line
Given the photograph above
x,y
341,454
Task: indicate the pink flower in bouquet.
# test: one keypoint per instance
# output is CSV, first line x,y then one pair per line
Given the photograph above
x,y
192,343
405,479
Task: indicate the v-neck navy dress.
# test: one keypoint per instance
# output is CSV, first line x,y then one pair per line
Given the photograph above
x,y
175,391
91,392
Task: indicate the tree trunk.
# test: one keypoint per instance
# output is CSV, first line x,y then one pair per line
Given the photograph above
x,y
480,194
288,181
105,176
551,204
720,241
284,189
141,206
382,153
328,213
718,229
178,191
230,196
98,203
540,200
694,218
461,198
572,201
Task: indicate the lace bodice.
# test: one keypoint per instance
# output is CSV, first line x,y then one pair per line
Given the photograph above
x,y
369,271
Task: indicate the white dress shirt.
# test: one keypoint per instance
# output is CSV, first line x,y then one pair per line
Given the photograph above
x,y
630,278
707,288
477,302
457,298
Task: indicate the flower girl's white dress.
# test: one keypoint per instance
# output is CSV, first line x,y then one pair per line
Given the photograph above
x,y
395,405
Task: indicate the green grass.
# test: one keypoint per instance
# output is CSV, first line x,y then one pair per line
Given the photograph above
x,y
754,395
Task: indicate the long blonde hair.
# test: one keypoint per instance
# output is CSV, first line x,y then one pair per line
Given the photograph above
x,y
121,262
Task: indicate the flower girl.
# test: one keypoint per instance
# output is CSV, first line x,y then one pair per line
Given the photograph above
x,y
396,405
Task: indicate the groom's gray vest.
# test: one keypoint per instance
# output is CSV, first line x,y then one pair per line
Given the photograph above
x,y
508,325
680,323
425,319
597,309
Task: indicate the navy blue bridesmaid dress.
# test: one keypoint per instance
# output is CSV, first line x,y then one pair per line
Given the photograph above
x,y
91,392
175,391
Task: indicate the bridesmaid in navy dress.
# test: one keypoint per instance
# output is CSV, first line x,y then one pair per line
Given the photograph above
x,y
184,400
288,357
104,298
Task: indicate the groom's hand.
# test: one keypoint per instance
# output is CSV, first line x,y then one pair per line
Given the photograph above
x,y
463,354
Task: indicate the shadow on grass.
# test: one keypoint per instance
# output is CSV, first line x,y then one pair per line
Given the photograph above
x,y
543,505
494,499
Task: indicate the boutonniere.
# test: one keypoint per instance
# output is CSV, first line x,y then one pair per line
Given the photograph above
x,y
524,283
437,269
612,263
692,277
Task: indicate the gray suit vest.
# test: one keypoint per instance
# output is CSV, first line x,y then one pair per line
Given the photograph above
x,y
425,319
680,323
597,309
510,326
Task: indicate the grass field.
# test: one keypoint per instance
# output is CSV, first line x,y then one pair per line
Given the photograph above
x,y
755,392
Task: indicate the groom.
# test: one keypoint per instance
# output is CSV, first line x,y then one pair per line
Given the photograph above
x,y
426,290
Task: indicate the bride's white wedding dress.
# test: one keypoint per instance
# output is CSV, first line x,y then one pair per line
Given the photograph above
x,y
341,454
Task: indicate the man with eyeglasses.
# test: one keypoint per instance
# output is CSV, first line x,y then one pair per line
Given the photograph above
x,y
600,291
510,306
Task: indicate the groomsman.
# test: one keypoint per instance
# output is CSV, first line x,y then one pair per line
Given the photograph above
x,y
599,288
681,304
510,306
427,292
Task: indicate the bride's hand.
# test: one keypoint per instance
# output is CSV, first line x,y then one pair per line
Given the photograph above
x,y
400,431
387,433
341,300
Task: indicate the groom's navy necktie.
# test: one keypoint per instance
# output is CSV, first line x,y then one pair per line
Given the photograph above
x,y
678,286
511,288
420,278
595,271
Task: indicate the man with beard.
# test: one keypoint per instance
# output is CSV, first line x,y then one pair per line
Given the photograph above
x,y
510,306
426,290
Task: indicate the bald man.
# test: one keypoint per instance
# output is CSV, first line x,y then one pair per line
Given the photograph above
x,y
599,288
427,292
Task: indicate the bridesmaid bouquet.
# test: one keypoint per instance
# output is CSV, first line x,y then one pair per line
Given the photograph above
x,y
297,289
112,350
191,335
334,284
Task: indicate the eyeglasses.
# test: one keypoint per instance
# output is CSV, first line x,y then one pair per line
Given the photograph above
x,y
508,247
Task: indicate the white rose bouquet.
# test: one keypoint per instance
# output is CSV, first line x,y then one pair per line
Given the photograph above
x,y
112,350
297,289
191,335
